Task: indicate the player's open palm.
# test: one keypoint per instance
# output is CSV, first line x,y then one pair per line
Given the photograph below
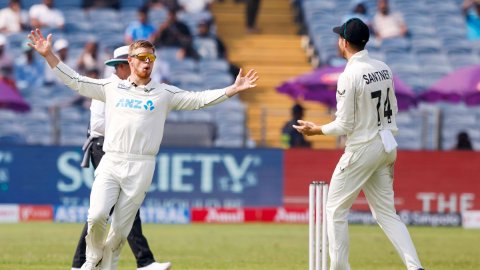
x,y
38,42
247,81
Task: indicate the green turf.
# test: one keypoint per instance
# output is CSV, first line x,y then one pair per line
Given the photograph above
x,y
37,246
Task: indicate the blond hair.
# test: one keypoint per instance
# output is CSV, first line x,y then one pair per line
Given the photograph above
x,y
140,44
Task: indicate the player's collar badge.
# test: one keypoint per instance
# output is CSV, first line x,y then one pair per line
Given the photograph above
x,y
146,90
122,85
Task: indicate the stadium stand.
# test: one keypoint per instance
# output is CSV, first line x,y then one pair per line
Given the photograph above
x,y
419,60
52,122
275,53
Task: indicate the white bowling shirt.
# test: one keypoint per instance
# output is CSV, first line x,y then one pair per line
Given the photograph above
x,y
135,116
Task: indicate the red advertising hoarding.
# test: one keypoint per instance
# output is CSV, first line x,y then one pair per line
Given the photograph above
x,y
221,215
438,182
36,213
242,215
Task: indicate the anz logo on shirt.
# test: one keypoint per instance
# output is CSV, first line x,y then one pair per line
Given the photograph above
x,y
135,104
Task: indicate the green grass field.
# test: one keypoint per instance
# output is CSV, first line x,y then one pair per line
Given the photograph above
x,y
37,246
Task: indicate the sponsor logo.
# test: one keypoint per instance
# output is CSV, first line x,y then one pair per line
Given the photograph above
x,y
146,90
36,212
129,103
213,172
165,215
430,219
471,219
359,217
290,216
135,104
178,172
70,213
224,216
149,106
9,213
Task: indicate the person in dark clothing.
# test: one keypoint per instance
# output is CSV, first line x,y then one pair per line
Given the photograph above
x,y
115,4
290,137
174,33
207,44
463,141
251,15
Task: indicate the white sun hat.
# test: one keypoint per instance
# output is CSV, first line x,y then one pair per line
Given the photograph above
x,y
120,55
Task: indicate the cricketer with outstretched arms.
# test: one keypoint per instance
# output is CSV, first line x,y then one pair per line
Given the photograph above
x,y
135,112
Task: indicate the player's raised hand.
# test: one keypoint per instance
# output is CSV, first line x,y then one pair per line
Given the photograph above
x,y
43,46
248,81
242,82
307,128
38,42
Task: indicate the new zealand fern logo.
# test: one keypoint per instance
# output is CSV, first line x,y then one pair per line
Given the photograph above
x,y
149,106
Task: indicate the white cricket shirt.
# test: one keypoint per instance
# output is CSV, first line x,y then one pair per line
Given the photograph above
x,y
135,116
97,115
366,101
97,118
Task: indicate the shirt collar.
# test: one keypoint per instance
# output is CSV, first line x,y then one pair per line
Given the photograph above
x,y
363,54
146,88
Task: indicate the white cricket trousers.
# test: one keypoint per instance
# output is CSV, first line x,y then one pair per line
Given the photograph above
x,y
121,180
368,168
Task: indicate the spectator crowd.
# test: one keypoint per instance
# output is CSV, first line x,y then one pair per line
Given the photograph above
x,y
189,53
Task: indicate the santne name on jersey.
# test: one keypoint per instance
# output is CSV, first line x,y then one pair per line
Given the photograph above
x,y
376,76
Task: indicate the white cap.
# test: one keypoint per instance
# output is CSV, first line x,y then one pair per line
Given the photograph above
x,y
3,40
120,55
60,44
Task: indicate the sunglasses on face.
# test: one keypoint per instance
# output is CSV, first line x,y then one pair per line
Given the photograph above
x,y
144,56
